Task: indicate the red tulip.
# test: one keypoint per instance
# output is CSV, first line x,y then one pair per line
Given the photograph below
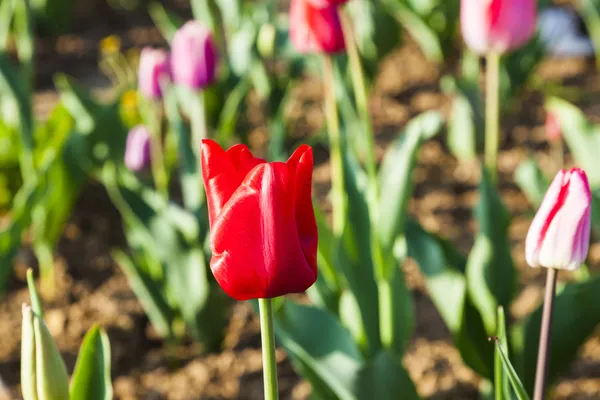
x,y
559,235
315,29
497,25
263,230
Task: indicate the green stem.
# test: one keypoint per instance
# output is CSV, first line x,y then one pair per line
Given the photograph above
x,y
43,253
386,312
361,97
335,148
157,160
492,114
199,129
268,349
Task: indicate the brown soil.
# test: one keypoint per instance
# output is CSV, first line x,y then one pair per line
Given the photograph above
x,y
91,288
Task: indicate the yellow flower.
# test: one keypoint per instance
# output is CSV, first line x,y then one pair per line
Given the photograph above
x,y
110,45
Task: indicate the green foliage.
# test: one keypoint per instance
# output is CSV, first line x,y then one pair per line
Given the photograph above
x,y
91,378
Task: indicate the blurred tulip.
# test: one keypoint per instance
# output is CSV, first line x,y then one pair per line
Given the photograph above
x,y
263,231
153,67
497,25
327,3
137,149
315,29
552,126
43,372
559,235
193,56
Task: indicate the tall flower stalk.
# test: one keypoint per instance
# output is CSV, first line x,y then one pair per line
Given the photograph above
x,y
558,239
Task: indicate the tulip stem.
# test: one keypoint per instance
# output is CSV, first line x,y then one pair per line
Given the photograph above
x,y
157,160
492,114
268,349
362,102
335,148
545,337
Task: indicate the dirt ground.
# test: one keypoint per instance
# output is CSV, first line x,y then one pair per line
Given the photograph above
x,y
91,288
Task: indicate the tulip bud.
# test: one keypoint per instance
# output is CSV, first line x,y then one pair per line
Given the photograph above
x,y
137,149
43,372
553,129
559,235
193,56
497,25
315,29
154,67
265,42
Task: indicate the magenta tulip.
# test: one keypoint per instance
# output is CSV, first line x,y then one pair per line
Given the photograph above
x,y
559,235
137,149
497,25
154,67
553,128
193,56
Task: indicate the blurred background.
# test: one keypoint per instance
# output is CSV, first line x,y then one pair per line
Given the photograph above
x,y
83,62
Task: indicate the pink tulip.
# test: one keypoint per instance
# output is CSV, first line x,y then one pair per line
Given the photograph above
x,y
552,126
315,29
497,25
193,56
137,149
327,3
154,66
559,235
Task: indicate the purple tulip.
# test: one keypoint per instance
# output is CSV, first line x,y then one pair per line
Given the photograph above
x,y
154,66
137,149
193,56
559,235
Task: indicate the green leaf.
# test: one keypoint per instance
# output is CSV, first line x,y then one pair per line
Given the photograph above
x,y
501,383
6,15
327,357
515,382
376,30
491,276
166,22
576,316
148,293
384,378
36,303
444,271
354,255
466,125
582,136
396,176
532,181
91,378
425,37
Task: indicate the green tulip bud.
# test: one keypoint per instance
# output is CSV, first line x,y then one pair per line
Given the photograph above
x,y
43,372
265,42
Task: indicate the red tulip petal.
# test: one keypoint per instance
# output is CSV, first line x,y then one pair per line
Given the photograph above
x,y
256,248
223,172
302,163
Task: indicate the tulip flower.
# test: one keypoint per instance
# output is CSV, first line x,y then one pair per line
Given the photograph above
x,y
43,372
315,29
327,3
552,126
137,149
154,67
193,56
263,232
497,25
559,235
